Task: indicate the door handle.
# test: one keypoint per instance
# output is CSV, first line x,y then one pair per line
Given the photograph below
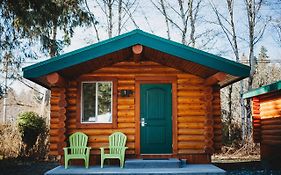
x,y
143,123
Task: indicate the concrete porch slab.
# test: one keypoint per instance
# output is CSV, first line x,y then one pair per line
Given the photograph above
x,y
153,163
189,169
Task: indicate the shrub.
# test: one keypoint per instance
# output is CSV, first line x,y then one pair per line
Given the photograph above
x,y
30,125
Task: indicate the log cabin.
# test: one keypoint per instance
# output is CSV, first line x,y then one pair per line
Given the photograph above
x,y
163,95
266,121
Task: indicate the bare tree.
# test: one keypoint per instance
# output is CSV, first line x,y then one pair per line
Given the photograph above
x,y
193,14
93,19
163,8
227,24
186,11
255,33
124,10
275,6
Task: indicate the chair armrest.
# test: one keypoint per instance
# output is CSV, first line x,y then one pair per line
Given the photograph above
x,y
104,147
88,150
124,149
65,150
102,150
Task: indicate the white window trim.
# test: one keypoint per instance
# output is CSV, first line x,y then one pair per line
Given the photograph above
x,y
96,105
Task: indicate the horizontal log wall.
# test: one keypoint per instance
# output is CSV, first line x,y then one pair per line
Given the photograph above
x,y
267,126
57,121
195,131
217,119
256,118
198,117
270,114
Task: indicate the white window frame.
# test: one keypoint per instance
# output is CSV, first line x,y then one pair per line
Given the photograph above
x,y
96,105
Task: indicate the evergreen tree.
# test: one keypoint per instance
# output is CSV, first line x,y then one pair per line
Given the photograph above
x,y
263,54
25,23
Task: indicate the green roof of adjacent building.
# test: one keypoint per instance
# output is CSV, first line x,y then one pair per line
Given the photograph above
x,y
130,39
263,90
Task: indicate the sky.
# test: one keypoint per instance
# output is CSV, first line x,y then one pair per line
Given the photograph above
x,y
155,24
149,19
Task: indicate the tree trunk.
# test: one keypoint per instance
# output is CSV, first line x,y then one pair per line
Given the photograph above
x,y
166,18
119,16
229,114
251,14
192,23
242,109
184,22
110,16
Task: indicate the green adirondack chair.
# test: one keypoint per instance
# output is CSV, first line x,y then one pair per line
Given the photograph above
x,y
77,149
117,142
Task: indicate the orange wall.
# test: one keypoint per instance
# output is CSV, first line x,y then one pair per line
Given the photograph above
x,y
198,110
267,124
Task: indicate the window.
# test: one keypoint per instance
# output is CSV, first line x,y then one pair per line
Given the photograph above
x,y
96,98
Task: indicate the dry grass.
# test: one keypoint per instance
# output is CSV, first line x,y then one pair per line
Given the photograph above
x,y
248,152
11,145
10,141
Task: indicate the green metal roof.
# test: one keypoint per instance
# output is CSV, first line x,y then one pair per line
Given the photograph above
x,y
263,90
130,39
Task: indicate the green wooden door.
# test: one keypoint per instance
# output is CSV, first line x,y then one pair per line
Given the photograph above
x,y
156,118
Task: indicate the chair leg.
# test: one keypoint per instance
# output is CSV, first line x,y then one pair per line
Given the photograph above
x,y
65,163
121,163
123,160
86,163
101,162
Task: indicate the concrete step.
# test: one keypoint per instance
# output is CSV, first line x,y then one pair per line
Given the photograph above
x,y
153,163
187,169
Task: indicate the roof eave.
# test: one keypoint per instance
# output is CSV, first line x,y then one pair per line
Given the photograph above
x,y
127,40
263,90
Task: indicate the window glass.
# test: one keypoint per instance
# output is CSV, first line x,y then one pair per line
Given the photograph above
x,y
97,102
89,102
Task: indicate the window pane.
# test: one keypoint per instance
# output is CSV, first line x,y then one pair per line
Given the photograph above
x,y
104,102
89,102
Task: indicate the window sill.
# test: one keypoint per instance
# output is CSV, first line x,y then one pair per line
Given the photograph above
x,y
95,125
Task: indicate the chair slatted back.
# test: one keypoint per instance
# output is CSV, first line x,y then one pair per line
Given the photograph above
x,y
117,139
78,143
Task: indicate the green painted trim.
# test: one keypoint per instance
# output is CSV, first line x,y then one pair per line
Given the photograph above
x,y
127,40
263,90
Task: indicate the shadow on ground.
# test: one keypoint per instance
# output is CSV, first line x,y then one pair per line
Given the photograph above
x,y
25,167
